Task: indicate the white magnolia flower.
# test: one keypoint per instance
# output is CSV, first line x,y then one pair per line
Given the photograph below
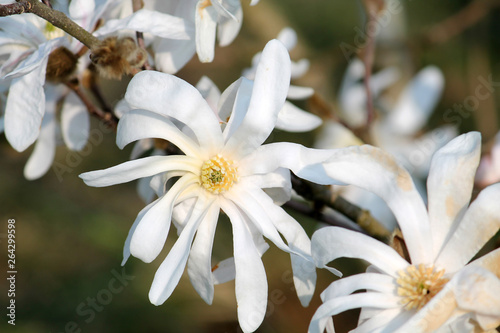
x,y
397,128
227,170
27,41
488,171
203,21
436,286
291,118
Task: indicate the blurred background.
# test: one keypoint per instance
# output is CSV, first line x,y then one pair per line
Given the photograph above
x,y
69,237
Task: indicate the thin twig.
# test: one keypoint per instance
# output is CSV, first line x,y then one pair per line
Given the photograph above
x,y
108,118
56,18
322,196
457,23
304,209
373,8
137,5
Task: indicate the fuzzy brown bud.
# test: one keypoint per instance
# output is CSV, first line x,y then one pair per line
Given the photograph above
x,y
115,57
61,65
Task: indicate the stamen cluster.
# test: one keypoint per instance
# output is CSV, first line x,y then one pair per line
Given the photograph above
x,y
218,174
419,284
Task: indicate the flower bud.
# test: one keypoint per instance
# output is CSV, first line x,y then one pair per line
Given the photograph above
x,y
115,57
61,65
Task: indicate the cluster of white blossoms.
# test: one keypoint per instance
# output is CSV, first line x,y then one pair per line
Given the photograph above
x,y
200,153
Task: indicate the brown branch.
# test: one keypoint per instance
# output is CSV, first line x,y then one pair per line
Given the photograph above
x,y
58,19
305,209
108,118
322,196
15,8
457,23
373,8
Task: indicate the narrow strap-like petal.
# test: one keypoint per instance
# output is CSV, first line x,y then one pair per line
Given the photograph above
x,y
479,224
199,265
24,112
251,282
151,233
170,271
330,243
377,171
171,96
158,24
294,119
206,25
341,304
143,167
450,183
141,124
75,122
268,95
370,281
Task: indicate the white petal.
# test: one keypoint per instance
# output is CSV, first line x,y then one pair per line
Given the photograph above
x,y
45,149
450,183
199,263
479,224
276,184
224,271
341,304
334,135
268,95
228,28
304,162
170,271
385,321
304,270
478,291
370,281
156,23
144,167
375,170
330,243
142,124
172,55
169,95
299,69
209,91
251,204
37,61
24,112
417,101
288,37
251,283
299,93
126,247
236,102
293,119
206,24
151,233
75,122
141,147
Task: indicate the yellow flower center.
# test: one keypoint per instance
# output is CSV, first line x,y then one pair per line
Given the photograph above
x,y
418,284
218,174
52,32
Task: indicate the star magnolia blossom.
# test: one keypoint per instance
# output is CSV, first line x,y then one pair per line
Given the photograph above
x,y
488,171
436,287
225,170
203,21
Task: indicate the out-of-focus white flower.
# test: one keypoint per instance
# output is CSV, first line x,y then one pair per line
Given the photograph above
x,y
291,118
227,170
201,21
437,285
488,171
27,42
396,129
